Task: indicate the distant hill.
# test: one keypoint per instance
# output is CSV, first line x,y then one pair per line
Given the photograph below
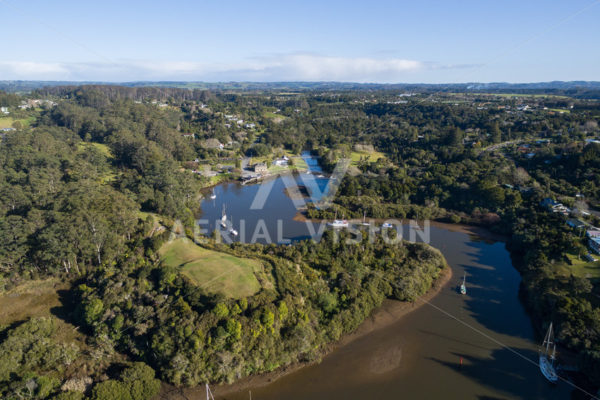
x,y
579,89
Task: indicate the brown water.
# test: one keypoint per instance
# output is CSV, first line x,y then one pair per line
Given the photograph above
x,y
418,356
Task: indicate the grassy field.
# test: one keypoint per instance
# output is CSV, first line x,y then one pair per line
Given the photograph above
x,y
278,169
274,116
355,156
559,110
7,122
299,164
215,180
39,298
581,268
44,298
213,271
31,299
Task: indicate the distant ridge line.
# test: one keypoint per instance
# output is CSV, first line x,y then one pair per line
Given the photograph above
x,y
30,85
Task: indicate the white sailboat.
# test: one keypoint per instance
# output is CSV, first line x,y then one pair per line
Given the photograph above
x,y
364,221
548,355
223,218
463,287
338,223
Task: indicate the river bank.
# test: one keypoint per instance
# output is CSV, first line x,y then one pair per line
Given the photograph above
x,y
399,357
391,311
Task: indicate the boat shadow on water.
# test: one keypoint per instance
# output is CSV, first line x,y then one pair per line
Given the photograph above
x,y
493,305
492,283
521,382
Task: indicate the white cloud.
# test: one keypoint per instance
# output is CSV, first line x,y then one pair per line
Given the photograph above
x,y
29,68
285,67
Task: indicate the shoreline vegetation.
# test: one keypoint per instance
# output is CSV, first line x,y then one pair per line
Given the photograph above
x,y
321,292
389,312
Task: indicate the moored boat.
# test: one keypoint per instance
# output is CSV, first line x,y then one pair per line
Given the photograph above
x,y
338,223
364,221
547,356
463,286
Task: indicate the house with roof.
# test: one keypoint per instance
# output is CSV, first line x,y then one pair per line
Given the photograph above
x,y
594,244
281,162
593,233
555,206
575,223
549,203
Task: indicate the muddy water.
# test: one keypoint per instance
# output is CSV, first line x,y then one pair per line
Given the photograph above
x,y
417,356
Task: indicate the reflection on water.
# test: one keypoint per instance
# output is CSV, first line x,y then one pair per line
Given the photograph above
x,y
274,220
418,356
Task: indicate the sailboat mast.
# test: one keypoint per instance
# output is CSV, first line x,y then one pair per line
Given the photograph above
x,y
548,336
209,395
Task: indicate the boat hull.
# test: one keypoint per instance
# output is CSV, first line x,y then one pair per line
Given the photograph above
x,y
547,369
338,224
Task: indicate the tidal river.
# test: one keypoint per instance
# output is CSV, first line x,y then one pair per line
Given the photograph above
x,y
475,346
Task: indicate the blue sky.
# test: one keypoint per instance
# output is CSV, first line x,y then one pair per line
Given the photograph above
x,y
371,41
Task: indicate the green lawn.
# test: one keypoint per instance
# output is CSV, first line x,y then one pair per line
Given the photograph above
x,y
299,162
7,122
278,169
275,116
581,268
355,156
213,271
559,110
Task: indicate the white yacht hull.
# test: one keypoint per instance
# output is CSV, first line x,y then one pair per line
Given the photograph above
x,y
338,224
548,369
